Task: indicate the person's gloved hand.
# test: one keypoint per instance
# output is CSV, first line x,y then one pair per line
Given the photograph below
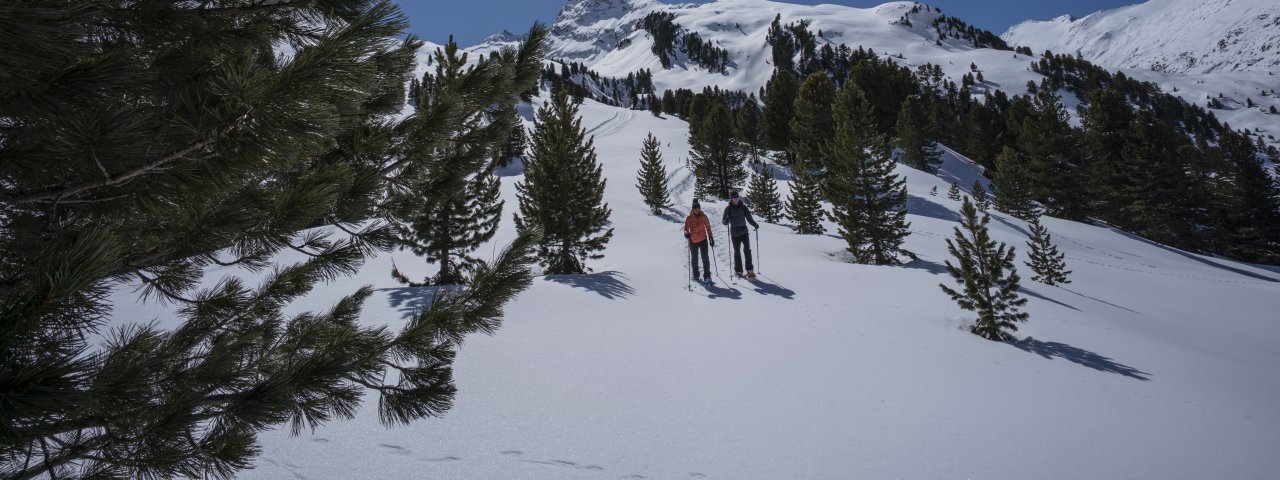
x,y
686,236
713,244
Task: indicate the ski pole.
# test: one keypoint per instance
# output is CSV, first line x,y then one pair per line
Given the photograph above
x,y
714,261
757,249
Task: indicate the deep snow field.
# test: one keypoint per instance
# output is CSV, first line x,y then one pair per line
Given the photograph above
x,y
1153,363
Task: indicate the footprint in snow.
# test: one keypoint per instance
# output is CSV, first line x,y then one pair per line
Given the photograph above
x,y
449,458
395,448
511,452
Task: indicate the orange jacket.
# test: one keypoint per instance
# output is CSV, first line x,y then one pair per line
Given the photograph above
x,y
697,227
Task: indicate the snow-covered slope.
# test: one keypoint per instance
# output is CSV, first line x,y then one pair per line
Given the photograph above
x,y
1154,363
1178,36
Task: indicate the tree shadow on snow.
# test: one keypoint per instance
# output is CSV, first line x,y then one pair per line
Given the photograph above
x,y
410,301
1032,293
925,208
1079,356
610,285
765,288
1199,258
931,267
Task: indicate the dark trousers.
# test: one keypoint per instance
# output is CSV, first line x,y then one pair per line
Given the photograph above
x,y
694,250
741,245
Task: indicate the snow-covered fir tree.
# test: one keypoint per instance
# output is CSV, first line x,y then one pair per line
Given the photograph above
x,y
986,276
562,195
869,202
210,149
1047,263
763,194
804,207
652,178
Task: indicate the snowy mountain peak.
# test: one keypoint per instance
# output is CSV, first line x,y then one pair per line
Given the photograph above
x,y
504,36
1176,36
584,29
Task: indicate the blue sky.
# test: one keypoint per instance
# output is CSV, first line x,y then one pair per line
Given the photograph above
x,y
470,21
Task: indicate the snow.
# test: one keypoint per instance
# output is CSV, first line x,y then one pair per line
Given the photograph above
x,y
1177,36
1153,363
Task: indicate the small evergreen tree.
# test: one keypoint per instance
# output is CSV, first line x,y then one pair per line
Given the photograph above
x,y
917,136
762,191
933,192
562,195
804,207
981,199
1013,195
452,205
987,277
953,193
1047,262
652,179
716,163
869,202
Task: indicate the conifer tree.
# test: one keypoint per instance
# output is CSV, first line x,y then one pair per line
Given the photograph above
x,y
562,194
987,277
1013,196
747,128
450,206
933,192
779,106
981,199
1048,264
917,136
652,179
953,193
811,124
716,163
762,191
1052,149
869,202
207,152
517,139
804,207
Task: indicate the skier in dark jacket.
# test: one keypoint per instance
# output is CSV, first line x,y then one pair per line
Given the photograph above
x,y
737,216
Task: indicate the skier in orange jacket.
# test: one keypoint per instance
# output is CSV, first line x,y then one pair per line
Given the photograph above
x,y
697,228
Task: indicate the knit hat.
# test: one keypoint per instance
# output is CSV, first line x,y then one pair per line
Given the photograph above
x,y
696,204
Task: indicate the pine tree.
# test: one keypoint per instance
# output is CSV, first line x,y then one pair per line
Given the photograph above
x,y
652,179
779,106
747,128
562,195
804,207
452,205
953,193
917,136
933,192
1052,149
517,139
987,277
170,148
869,202
811,124
981,199
716,163
762,192
1048,264
1013,196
